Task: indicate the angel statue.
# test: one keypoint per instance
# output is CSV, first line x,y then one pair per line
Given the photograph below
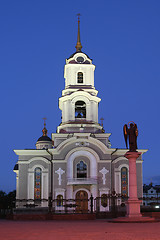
x,y
132,134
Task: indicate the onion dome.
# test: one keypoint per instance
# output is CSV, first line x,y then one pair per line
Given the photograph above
x,y
44,142
44,137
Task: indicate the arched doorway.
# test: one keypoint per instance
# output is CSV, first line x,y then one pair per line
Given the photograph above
x,y
81,201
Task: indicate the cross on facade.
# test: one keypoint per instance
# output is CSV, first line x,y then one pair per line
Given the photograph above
x,y
59,172
104,171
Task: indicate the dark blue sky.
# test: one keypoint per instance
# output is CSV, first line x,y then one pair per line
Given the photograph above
x,y
122,38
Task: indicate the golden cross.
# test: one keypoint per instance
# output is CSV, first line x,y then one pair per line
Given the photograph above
x,y
44,121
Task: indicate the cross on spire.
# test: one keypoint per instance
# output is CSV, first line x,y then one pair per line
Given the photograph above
x,y
102,119
79,45
44,129
78,14
44,121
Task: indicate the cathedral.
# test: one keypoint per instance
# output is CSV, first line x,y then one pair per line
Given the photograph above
x,y
78,160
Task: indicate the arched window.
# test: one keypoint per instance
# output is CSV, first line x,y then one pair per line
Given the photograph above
x,y
104,200
80,77
59,200
81,170
37,183
80,109
124,181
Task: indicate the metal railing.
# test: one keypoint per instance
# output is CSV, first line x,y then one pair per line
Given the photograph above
x,y
109,203
57,205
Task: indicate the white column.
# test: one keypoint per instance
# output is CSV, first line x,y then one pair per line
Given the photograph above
x,y
92,76
17,185
69,109
30,185
69,192
94,191
65,113
96,111
117,184
44,189
88,111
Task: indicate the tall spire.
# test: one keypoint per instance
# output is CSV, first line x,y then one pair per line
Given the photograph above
x,y
78,46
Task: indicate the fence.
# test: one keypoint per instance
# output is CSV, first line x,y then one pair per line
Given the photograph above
x,y
111,205
106,203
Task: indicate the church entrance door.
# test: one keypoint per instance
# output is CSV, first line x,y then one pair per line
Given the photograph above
x,y
81,201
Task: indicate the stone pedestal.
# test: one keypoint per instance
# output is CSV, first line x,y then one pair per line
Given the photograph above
x,y
133,204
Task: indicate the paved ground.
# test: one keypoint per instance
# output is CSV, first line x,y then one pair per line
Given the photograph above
x,y
77,230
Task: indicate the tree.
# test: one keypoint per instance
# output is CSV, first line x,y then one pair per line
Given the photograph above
x,y
7,201
2,200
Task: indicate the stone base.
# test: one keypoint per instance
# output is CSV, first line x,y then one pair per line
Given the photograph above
x,y
133,208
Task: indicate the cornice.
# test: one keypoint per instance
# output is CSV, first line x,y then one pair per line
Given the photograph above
x,y
78,93
32,152
119,151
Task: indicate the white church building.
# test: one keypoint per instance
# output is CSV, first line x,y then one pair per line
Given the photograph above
x,y
78,160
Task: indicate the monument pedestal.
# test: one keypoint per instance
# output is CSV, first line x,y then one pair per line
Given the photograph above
x,y
133,204
133,208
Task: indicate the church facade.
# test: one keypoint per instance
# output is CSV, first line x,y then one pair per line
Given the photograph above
x,y
77,161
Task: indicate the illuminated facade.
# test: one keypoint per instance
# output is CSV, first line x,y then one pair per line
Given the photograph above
x,y
78,160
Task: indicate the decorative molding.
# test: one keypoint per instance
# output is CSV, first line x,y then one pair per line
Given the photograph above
x,y
119,159
89,153
82,189
91,140
122,165
103,189
38,166
81,144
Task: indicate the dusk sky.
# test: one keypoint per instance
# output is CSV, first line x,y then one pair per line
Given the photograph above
x,y
123,39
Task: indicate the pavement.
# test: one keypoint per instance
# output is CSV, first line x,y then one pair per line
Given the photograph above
x,y
78,230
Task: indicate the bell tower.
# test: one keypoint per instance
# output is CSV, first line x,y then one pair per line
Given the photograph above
x,y
79,101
